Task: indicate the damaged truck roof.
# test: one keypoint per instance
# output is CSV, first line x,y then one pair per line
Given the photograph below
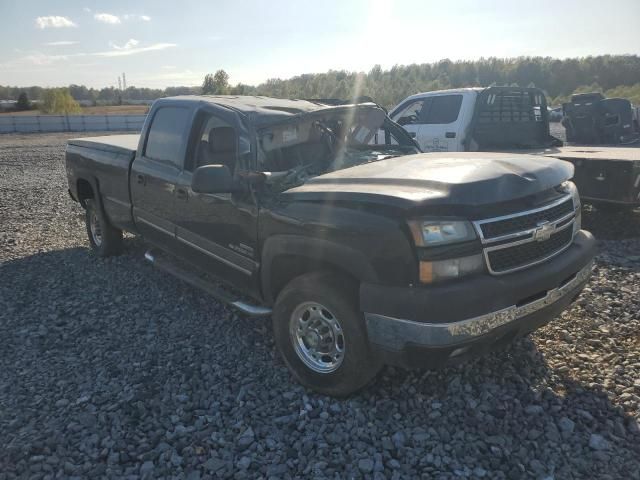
x,y
260,111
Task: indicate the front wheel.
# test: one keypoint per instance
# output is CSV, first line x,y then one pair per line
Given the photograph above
x,y
105,239
321,334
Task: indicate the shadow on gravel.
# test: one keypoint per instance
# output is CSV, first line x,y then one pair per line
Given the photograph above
x,y
111,367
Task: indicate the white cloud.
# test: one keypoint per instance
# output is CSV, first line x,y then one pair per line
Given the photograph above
x,y
107,18
39,59
54,21
42,60
60,43
131,50
86,9
144,18
132,42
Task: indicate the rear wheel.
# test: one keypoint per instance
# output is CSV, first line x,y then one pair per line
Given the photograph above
x,y
105,239
321,334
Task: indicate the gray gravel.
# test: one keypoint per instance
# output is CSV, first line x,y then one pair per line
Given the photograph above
x,y
109,368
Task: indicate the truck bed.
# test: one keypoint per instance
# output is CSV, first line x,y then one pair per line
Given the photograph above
x,y
105,163
586,152
603,174
113,143
594,153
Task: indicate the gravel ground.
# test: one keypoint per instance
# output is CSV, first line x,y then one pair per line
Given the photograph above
x,y
109,368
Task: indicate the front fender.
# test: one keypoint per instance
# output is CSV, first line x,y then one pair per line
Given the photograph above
x,y
341,257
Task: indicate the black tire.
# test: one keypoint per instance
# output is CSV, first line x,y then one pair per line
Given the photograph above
x,y
105,239
337,298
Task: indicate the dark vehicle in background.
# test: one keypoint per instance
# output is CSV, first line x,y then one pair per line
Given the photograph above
x,y
517,120
555,114
590,118
363,254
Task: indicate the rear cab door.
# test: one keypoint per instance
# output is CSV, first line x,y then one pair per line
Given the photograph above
x,y
155,171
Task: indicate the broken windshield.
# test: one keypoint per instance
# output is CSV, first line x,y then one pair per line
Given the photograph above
x,y
328,140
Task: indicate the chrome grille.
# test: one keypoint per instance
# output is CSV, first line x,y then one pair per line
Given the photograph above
x,y
517,241
526,221
506,259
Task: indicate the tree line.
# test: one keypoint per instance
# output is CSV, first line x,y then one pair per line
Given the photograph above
x,y
615,75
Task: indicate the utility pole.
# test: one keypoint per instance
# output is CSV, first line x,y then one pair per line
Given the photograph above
x,y
124,82
119,84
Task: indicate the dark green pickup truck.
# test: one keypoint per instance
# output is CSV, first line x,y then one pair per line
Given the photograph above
x,y
364,251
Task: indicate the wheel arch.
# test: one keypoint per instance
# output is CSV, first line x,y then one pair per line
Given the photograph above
x,y
89,187
285,257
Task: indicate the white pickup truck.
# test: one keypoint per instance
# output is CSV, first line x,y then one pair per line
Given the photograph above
x,y
476,119
516,119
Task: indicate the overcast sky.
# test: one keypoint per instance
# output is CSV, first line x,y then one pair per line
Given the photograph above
x,y
161,43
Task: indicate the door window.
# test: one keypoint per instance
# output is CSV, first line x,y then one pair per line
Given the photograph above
x,y
443,109
166,134
411,114
217,142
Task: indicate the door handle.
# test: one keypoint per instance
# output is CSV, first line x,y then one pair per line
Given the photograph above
x,y
450,134
140,179
181,194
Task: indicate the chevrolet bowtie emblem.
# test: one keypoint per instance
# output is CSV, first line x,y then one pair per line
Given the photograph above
x,y
543,231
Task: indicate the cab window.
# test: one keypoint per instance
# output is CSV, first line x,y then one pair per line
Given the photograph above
x,y
217,142
443,109
164,142
411,114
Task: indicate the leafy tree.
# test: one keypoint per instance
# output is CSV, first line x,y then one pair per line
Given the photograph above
x,y
216,84
618,74
23,102
208,86
221,82
58,100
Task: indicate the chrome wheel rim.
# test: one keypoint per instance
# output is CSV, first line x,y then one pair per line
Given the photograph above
x,y
96,231
317,337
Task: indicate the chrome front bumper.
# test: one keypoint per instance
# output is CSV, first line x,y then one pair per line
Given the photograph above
x,y
395,333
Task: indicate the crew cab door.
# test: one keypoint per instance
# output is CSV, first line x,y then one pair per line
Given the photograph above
x,y
441,131
218,232
154,173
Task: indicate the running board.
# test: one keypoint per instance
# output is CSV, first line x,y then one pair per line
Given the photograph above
x,y
217,293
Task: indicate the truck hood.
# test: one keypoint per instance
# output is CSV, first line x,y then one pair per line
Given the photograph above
x,y
474,178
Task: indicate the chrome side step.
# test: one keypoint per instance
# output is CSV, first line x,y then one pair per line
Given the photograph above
x,y
217,293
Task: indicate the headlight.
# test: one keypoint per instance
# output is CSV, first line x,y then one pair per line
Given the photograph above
x,y
427,233
570,187
440,233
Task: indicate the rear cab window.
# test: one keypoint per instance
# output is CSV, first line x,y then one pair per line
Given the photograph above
x,y
443,109
166,135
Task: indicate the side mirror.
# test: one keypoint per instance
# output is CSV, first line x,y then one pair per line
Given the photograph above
x,y
213,179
